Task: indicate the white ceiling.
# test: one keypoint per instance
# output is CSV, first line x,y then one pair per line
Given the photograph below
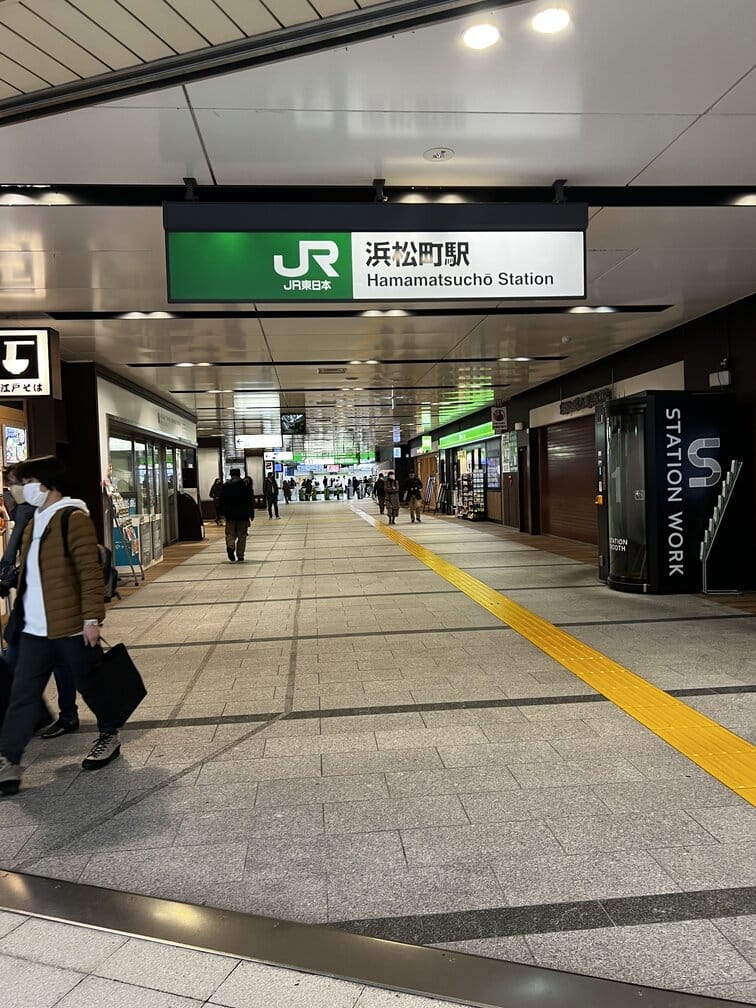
x,y
638,94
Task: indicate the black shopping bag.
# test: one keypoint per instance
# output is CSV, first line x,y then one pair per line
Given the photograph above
x,y
114,687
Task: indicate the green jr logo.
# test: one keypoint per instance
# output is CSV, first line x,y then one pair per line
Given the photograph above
x,y
323,253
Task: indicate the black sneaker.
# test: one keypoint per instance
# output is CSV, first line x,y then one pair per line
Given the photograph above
x,y
231,554
240,558
104,751
60,727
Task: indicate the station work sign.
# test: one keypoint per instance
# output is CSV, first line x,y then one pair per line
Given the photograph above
x,y
370,258
29,363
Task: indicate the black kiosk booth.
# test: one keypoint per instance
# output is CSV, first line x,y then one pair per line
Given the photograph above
x,y
674,491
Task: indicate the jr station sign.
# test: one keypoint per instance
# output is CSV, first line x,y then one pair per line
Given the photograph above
x,y
374,252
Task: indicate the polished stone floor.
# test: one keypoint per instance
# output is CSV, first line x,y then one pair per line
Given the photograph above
x,y
334,733
45,964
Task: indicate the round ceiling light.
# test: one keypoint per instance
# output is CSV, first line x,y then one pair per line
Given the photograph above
x,y
551,20
481,36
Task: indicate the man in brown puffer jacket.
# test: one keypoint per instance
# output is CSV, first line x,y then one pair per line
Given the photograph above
x,y
60,607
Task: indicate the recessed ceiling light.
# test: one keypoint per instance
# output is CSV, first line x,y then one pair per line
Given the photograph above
x,y
438,154
185,364
371,362
481,36
551,20
355,362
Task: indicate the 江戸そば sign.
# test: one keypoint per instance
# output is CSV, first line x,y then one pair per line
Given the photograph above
x,y
29,362
375,263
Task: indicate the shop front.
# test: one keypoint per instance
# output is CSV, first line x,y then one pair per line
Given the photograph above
x,y
145,450
472,471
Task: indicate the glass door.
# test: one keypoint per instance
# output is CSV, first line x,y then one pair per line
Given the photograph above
x,y
626,464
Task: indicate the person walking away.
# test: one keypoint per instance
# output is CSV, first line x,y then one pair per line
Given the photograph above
x,y
379,492
238,508
215,496
415,496
356,487
68,713
60,605
270,489
392,498
287,491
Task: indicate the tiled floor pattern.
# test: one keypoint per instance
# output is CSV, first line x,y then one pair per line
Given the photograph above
x,y
45,964
445,811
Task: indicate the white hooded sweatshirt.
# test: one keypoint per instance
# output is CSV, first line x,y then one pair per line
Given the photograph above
x,y
35,617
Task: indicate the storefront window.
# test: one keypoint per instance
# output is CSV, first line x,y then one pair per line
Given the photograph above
x,y
122,461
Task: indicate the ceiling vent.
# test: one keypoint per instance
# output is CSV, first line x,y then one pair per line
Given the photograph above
x,y
331,370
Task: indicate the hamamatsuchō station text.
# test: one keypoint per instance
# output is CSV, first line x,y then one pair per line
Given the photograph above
x,y
503,279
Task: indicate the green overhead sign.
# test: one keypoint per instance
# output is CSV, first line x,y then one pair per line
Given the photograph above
x,y
479,433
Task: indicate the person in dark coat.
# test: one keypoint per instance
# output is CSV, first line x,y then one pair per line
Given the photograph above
x,y
379,492
215,495
415,496
392,498
270,490
237,505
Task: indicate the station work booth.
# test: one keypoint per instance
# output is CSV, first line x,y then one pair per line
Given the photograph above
x,y
675,490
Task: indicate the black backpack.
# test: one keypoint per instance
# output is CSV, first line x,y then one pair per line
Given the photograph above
x,y
110,576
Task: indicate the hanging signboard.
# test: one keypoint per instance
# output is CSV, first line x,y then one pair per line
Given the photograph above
x,y
499,419
29,364
374,252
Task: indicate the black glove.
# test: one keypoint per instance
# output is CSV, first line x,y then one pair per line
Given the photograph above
x,y
8,578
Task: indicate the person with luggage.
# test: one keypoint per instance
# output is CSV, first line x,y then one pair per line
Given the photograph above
x,y
60,605
68,713
270,490
238,508
392,498
379,492
415,496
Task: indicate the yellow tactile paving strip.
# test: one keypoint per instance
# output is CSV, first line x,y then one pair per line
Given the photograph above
x,y
721,753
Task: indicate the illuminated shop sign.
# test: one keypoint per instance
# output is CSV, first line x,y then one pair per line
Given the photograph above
x,y
29,363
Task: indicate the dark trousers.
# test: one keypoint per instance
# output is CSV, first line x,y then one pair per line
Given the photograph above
x,y
64,682
37,657
272,505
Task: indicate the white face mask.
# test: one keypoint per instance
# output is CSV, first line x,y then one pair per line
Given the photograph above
x,y
34,494
17,493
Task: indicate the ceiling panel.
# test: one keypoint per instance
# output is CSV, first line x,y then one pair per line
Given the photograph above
x,y
512,149
7,90
614,59
123,26
87,33
251,16
326,8
209,19
31,27
18,76
167,24
674,227
741,99
291,12
34,59
716,150
133,145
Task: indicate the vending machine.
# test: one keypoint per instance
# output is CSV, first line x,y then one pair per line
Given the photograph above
x,y
675,490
